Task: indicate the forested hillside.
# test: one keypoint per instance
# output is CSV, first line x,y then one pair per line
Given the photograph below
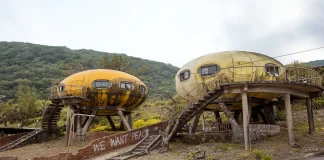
x,y
43,66
316,63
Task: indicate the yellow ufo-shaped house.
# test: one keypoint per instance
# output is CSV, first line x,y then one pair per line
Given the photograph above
x,y
102,88
233,69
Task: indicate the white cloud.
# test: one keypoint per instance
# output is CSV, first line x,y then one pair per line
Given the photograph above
x,y
169,31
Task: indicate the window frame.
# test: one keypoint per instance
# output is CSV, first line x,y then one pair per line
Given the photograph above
x,y
218,68
140,87
182,74
101,87
276,70
61,87
126,88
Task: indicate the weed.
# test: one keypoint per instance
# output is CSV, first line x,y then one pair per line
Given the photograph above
x,y
267,157
258,153
243,156
225,146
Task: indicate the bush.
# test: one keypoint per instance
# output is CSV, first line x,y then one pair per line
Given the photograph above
x,y
141,123
100,129
258,154
318,103
267,157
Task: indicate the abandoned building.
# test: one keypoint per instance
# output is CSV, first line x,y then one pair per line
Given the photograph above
x,y
247,87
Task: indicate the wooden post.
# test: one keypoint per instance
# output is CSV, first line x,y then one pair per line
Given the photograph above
x,y
111,122
195,123
289,120
130,120
245,109
310,116
124,120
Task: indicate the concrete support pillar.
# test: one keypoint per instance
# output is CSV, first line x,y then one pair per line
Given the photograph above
x,y
289,120
245,109
195,123
310,116
124,120
78,124
130,120
111,122
203,121
68,126
87,124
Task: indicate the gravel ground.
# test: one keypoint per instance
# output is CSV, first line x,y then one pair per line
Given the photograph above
x,y
277,147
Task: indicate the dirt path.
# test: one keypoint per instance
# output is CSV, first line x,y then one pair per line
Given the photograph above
x,y
111,153
276,147
43,149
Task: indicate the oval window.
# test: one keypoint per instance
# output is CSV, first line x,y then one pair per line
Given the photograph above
x,y
184,75
101,84
61,87
142,89
126,85
272,69
207,70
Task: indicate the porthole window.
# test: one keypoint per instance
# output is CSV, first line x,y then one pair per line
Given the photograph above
x,y
142,89
61,87
101,84
126,85
272,69
184,75
208,69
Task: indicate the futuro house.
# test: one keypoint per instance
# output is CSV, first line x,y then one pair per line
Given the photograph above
x,y
99,92
249,85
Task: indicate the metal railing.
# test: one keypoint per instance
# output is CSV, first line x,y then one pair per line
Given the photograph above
x,y
198,92
69,91
274,74
239,74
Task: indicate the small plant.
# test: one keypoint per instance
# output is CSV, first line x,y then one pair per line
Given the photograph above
x,y
243,156
225,146
258,153
267,157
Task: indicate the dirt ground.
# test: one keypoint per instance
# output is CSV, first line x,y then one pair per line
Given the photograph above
x,y
44,149
276,147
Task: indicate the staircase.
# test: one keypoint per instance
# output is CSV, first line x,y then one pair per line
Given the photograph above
x,y
204,93
143,147
20,140
50,118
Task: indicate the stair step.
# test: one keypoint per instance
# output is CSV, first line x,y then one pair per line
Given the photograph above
x,y
201,100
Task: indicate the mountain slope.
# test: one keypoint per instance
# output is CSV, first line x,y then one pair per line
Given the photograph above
x,y
317,63
43,66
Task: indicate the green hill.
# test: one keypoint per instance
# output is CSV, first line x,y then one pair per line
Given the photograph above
x,y
43,66
317,63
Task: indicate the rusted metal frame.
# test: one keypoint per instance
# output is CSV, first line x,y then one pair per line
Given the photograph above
x,y
198,93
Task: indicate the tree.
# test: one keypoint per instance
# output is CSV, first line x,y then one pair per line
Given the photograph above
x,y
119,63
26,102
7,112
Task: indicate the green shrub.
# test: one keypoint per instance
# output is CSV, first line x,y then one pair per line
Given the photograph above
x,y
318,103
281,115
258,153
267,157
141,123
100,129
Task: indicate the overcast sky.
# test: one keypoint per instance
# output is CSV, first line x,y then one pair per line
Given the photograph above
x,y
171,31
